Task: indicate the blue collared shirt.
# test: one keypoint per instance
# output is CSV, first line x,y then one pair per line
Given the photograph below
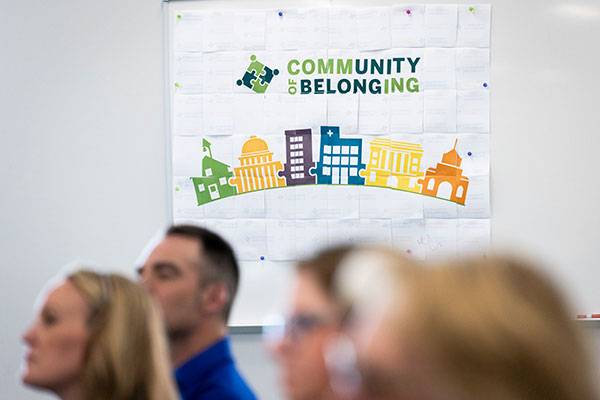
x,y
211,375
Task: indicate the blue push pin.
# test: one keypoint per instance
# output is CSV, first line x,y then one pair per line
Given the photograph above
x,y
484,84
280,14
469,154
262,258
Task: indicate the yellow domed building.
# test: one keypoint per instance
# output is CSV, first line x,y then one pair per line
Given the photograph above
x,y
257,169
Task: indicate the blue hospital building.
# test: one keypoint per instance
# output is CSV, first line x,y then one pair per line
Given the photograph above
x,y
340,159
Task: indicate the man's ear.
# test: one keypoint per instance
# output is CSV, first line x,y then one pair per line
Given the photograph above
x,y
214,297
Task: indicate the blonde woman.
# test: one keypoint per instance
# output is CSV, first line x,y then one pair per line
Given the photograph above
x,y
99,337
490,329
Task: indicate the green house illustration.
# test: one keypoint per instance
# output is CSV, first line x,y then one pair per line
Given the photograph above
x,y
214,184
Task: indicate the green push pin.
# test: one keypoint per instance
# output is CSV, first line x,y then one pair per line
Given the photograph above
x,y
177,84
471,9
177,188
178,16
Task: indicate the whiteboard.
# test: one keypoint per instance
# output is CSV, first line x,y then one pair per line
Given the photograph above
x,y
543,193
389,132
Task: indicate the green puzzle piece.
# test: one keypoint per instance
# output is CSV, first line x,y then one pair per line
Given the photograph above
x,y
256,66
258,86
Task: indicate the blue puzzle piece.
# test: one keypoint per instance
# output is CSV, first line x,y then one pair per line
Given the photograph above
x,y
268,75
247,80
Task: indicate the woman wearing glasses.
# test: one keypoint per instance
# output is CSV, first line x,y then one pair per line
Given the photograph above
x,y
315,323
315,317
99,337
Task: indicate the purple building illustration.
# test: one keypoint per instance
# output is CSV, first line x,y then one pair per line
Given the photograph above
x,y
299,155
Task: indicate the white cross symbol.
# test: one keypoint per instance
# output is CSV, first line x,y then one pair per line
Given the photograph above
x,y
329,132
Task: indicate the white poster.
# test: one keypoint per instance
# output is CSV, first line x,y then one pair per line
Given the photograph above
x,y
295,129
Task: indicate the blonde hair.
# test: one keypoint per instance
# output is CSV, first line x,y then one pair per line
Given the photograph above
x,y
496,329
127,355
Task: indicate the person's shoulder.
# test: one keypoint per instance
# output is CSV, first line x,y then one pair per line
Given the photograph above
x,y
227,395
222,391
222,381
235,384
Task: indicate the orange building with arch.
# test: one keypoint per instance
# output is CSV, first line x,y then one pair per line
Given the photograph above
x,y
257,169
446,180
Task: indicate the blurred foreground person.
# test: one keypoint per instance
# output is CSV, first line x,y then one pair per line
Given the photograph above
x,y
99,337
315,319
478,329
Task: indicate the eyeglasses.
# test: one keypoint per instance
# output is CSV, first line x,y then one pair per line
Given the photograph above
x,y
295,327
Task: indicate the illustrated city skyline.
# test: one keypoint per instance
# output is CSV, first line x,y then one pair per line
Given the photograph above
x,y
391,164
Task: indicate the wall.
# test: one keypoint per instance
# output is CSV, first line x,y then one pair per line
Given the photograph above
x,y
81,154
82,160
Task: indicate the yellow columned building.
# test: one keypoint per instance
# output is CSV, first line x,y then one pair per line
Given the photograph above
x,y
394,164
257,169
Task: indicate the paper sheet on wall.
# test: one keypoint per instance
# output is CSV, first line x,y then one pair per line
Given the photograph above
x,y
296,129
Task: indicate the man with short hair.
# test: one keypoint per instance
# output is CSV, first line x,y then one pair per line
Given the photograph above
x,y
193,275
